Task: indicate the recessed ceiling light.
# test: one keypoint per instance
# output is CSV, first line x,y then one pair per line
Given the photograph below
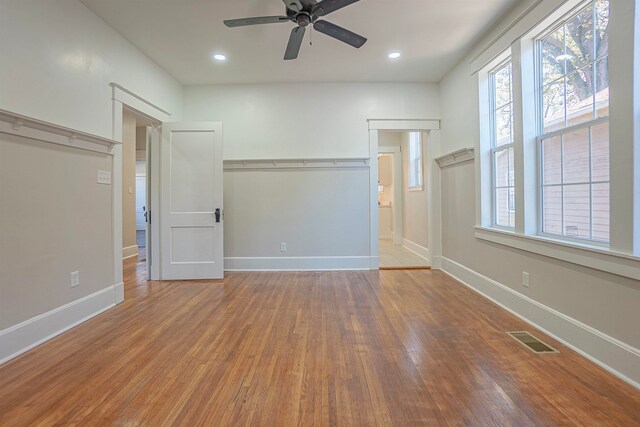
x,y
394,55
219,57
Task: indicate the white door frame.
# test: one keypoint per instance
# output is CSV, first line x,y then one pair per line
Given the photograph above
x,y
122,99
396,210
432,128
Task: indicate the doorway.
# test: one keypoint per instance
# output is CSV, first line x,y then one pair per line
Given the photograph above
x,y
402,200
136,188
141,192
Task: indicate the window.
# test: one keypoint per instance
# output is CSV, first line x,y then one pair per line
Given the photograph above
x,y
415,160
574,197
574,126
501,99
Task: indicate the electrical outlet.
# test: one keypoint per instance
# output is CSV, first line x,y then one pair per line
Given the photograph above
x,y
525,279
283,247
75,279
104,177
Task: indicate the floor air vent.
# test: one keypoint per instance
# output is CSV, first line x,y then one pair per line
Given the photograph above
x,y
531,342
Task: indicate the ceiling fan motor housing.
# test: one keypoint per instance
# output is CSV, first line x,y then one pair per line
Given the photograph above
x,y
303,19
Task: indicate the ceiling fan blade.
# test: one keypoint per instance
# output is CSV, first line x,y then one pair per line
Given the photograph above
x,y
339,33
295,41
294,5
326,7
255,21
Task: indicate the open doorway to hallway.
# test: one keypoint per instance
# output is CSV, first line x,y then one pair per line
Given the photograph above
x,y
136,196
141,192
402,200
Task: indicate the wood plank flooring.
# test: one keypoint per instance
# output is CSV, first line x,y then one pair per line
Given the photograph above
x,y
385,348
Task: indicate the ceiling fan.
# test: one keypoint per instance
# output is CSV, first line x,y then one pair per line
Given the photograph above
x,y
304,13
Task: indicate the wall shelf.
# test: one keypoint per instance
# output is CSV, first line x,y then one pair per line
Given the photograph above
x,y
34,129
295,164
459,156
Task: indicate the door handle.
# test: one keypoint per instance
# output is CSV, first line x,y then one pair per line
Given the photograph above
x,y
217,214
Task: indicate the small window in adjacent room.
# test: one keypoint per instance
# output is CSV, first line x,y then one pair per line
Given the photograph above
x,y
502,142
415,161
574,125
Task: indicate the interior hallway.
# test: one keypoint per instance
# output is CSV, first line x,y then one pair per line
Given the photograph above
x,y
396,256
309,348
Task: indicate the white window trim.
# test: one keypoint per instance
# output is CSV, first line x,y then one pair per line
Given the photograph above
x,y
591,256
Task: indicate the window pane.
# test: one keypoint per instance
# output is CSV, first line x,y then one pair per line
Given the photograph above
x,y
602,87
574,91
502,168
553,106
580,96
552,210
600,152
511,172
575,156
600,202
551,161
415,160
503,86
553,54
503,125
579,39
576,211
502,207
602,28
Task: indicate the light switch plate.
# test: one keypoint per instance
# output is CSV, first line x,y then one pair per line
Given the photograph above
x,y
104,177
75,279
525,279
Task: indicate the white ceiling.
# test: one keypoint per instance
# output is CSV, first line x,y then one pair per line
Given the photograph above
x,y
180,35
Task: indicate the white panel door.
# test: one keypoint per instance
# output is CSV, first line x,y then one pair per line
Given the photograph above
x,y
141,202
191,221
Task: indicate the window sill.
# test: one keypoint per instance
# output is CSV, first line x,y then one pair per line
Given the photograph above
x,y
416,188
588,256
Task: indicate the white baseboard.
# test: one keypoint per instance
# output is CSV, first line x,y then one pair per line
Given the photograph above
x,y
119,292
130,252
421,251
26,335
436,262
297,263
617,357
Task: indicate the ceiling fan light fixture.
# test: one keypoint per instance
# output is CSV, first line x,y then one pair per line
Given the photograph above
x,y
304,15
394,55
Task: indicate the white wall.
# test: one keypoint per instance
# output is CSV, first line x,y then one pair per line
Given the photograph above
x,y
305,120
605,302
55,219
58,59
318,213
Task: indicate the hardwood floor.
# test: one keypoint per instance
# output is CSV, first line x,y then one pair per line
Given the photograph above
x,y
329,348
